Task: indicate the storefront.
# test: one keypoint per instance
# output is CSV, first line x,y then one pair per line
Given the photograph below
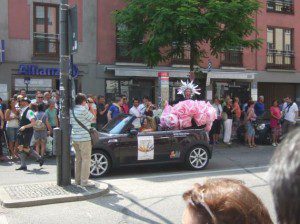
x,y
32,77
233,84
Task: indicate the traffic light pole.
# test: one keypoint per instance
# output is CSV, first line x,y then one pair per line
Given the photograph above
x,y
63,161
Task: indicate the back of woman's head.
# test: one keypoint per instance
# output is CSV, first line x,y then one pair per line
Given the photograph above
x,y
224,201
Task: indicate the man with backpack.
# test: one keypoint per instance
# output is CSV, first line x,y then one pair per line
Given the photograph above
x,y
27,122
289,115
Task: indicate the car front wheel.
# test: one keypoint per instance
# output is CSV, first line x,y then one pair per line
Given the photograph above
x,y
197,158
100,164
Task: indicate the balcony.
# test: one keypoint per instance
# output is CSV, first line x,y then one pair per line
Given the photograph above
x,y
280,60
280,6
232,58
122,54
46,45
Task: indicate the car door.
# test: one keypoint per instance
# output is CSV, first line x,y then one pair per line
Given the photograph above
x,y
132,150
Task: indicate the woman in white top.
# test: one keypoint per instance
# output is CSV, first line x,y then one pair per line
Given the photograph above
x,y
12,127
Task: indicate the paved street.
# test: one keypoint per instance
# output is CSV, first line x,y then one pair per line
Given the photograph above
x,y
141,195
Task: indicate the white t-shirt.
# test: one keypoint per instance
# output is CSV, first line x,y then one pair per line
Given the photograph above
x,y
136,112
29,115
290,113
142,108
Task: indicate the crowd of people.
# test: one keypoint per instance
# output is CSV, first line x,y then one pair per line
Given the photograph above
x,y
27,124
230,115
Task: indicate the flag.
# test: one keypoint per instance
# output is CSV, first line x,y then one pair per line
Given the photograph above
x,y
2,51
209,67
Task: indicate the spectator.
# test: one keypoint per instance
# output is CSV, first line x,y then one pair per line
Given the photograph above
x,y
19,97
23,93
125,107
115,109
40,130
39,100
275,122
216,127
285,180
143,106
82,139
237,112
2,157
12,126
259,107
224,201
37,93
250,118
2,105
135,112
47,98
51,114
90,101
102,109
25,134
149,109
290,114
228,110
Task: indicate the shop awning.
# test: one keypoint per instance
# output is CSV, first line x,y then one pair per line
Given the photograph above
x,y
229,75
147,72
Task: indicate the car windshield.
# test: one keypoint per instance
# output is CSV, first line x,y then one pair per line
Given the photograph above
x,y
116,125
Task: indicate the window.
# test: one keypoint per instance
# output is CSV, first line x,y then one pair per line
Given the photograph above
x,y
281,6
123,49
232,57
280,48
46,29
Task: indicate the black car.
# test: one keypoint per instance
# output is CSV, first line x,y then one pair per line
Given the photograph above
x,y
263,134
121,145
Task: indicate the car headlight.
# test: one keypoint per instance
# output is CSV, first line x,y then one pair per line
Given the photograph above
x,y
261,127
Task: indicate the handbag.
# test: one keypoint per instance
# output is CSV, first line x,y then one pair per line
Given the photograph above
x,y
93,132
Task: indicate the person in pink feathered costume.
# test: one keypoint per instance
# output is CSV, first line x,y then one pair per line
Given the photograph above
x,y
188,113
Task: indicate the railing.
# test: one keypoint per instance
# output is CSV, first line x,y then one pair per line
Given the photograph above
x,y
232,58
280,59
180,61
281,6
122,54
46,44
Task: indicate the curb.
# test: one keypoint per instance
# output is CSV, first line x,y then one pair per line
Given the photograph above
x,y
7,202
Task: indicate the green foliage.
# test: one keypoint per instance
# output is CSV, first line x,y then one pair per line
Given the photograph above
x,y
157,30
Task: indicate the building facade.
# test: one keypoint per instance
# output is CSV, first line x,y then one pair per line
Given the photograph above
x,y
32,46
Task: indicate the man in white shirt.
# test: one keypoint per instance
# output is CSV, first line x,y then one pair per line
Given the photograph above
x,y
142,107
135,111
81,138
290,114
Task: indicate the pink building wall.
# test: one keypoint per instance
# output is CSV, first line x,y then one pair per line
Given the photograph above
x,y
18,19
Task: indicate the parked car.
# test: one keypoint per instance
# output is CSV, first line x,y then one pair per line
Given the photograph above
x,y
121,145
263,134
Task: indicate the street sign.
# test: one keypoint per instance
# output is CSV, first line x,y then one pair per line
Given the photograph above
x,y
2,51
73,30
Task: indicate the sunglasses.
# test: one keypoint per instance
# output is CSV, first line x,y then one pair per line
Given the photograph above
x,y
40,97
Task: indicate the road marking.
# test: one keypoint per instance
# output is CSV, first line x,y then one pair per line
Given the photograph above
x,y
244,169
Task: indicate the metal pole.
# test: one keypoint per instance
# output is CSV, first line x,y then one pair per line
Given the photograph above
x,y
57,150
65,96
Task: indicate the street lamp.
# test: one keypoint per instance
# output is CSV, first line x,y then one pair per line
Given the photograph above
x,y
27,82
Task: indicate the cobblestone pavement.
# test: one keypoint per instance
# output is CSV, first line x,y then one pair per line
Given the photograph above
x,y
28,191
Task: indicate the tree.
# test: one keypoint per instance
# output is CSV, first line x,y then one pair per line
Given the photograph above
x,y
158,30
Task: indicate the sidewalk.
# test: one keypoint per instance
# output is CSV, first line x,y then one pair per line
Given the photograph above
x,y
34,194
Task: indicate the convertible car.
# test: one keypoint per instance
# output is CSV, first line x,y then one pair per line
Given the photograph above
x,y
121,145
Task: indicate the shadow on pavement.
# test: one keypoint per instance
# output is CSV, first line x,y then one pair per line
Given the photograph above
x,y
111,202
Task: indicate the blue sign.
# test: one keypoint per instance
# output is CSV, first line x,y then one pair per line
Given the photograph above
x,y
2,51
29,69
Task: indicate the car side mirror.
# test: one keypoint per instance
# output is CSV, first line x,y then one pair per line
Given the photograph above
x,y
133,132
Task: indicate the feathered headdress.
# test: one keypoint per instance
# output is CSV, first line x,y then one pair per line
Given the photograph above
x,y
188,85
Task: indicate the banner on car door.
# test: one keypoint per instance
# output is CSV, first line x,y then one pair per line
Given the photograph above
x,y
145,147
